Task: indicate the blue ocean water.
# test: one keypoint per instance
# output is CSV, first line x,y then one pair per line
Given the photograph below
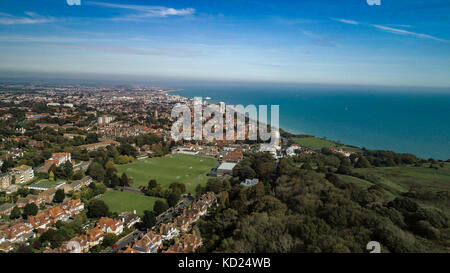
x,y
407,121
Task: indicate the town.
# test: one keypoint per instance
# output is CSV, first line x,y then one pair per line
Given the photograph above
x,y
59,155
94,169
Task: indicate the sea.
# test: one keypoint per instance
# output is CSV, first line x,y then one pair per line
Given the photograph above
x,y
404,120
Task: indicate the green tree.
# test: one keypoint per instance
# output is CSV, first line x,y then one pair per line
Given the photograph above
x,y
173,198
15,213
362,163
151,184
178,187
149,219
124,181
97,208
96,171
30,209
160,207
59,196
109,240
68,170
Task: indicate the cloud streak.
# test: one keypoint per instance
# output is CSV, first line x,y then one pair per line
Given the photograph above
x,y
409,33
171,52
394,30
346,21
144,11
32,18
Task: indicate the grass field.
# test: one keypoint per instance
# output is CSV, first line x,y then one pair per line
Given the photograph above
x,y
187,169
118,201
398,180
316,143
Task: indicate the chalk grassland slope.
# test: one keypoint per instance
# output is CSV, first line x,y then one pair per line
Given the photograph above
x,y
187,169
316,143
400,180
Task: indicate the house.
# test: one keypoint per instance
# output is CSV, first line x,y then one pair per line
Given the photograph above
x,y
48,195
233,157
225,168
182,223
19,232
291,151
269,148
6,247
149,243
72,207
77,185
36,199
188,243
57,214
23,174
7,208
95,236
250,182
42,220
168,231
340,151
58,159
109,225
129,219
78,244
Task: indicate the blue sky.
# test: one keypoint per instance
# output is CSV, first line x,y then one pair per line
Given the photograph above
x,y
401,43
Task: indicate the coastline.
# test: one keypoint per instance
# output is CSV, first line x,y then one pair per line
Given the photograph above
x,y
366,136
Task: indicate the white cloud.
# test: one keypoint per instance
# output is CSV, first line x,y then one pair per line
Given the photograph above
x,y
147,11
409,33
346,21
394,30
32,18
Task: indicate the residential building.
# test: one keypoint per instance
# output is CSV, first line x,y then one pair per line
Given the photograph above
x,y
6,208
250,182
23,174
109,225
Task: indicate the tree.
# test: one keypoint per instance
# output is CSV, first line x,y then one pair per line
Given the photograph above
x,y
59,196
15,213
51,176
177,187
149,219
97,208
151,184
78,175
30,209
363,163
68,169
115,181
96,171
160,207
109,240
172,198
124,181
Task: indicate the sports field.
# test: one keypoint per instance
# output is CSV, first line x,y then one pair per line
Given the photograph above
x,y
118,201
187,169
